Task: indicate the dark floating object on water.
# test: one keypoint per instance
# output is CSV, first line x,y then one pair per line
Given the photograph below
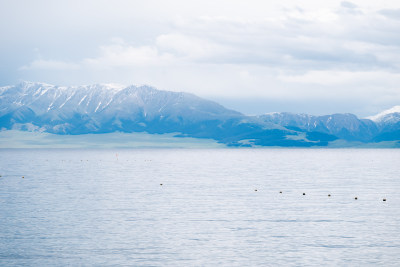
x,y
23,176
356,198
160,184
304,194
255,190
280,192
329,195
384,199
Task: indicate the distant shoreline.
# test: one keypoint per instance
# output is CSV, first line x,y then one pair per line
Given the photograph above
x,y
14,139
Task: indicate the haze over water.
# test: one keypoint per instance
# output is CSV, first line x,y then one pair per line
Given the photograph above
x,y
215,206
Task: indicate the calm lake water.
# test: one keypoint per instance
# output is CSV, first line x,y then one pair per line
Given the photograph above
x,y
107,207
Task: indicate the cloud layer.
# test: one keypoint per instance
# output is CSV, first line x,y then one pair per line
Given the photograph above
x,y
346,53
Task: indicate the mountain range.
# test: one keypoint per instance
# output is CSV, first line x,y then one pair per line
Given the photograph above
x,y
107,108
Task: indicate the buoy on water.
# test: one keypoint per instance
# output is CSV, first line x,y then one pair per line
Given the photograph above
x,y
304,194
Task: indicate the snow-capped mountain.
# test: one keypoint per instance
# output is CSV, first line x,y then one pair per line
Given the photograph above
x,y
56,102
105,108
99,108
388,122
391,115
387,117
345,126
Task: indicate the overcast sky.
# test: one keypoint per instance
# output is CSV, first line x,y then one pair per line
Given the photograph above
x,y
308,56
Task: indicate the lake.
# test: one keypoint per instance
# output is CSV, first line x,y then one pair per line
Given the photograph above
x,y
199,207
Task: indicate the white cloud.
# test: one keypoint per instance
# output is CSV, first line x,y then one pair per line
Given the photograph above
x,y
349,5
232,49
295,40
41,64
189,47
345,78
124,55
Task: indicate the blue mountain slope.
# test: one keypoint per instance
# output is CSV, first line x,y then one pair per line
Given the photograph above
x,y
388,123
105,108
344,126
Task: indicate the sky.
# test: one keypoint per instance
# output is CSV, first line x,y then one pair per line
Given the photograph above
x,y
310,56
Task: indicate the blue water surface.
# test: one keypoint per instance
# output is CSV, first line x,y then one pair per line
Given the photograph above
x,y
200,207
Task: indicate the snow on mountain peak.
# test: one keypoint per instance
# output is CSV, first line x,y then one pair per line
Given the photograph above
x,y
106,101
390,115
114,86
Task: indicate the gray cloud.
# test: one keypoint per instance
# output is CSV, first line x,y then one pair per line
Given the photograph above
x,y
391,13
347,4
314,54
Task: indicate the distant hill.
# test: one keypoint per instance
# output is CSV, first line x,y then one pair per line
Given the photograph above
x,y
106,108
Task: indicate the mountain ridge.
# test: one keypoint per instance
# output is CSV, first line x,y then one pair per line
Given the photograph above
x,y
107,108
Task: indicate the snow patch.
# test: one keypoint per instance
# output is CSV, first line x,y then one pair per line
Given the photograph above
x,y
383,115
83,98
97,107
